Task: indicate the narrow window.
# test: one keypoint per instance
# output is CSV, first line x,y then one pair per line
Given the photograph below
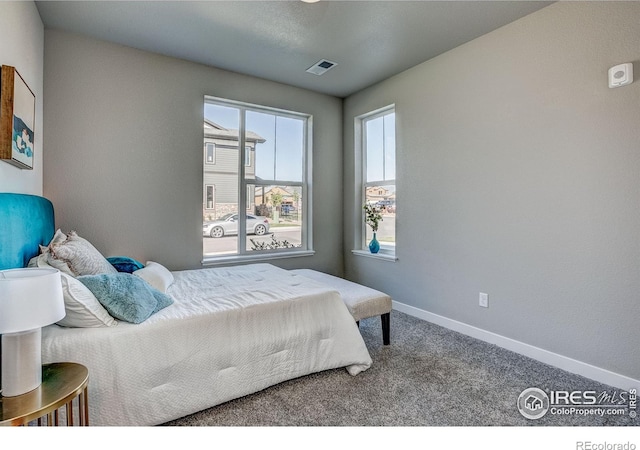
x,y
210,196
378,153
247,156
210,153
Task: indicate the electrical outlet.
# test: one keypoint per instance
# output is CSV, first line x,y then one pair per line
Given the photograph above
x,y
483,300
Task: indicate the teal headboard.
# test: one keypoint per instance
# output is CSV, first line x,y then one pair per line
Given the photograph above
x,y
26,221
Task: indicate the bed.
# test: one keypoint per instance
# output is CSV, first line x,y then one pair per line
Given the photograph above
x,y
230,332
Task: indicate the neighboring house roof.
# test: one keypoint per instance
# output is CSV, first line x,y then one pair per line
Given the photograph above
x,y
374,191
275,189
213,130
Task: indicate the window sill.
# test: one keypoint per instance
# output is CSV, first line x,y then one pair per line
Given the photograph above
x,y
386,256
265,257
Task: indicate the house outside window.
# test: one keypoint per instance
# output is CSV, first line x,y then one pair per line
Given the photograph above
x,y
261,178
378,162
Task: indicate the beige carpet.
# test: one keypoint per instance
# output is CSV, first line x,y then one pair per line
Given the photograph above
x,y
428,376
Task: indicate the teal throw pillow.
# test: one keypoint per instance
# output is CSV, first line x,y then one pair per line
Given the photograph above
x,y
163,299
125,264
126,297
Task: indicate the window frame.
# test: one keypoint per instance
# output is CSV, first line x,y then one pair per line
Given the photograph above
x,y
306,185
206,196
387,251
206,150
247,156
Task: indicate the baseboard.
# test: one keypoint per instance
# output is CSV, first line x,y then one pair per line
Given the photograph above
x,y
553,359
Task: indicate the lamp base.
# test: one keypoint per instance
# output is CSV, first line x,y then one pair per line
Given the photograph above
x,y
21,362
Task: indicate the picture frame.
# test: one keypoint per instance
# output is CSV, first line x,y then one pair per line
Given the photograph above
x,y
17,119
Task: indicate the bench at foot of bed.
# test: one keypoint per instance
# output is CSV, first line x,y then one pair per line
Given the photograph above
x,y
362,302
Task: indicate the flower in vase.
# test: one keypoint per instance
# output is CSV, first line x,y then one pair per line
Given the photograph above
x,y
372,216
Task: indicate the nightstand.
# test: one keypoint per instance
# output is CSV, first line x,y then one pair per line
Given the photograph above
x,y
61,384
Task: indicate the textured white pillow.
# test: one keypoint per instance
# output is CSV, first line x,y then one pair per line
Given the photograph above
x,y
45,259
76,256
82,307
157,275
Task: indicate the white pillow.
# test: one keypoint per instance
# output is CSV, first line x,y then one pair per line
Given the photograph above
x,y
82,307
39,261
157,275
83,310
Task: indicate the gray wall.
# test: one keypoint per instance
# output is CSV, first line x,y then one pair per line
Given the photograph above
x,y
123,131
519,176
22,46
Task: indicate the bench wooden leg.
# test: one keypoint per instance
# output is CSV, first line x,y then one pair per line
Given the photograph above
x,y
386,328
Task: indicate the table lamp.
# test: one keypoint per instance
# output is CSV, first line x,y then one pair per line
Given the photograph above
x,y
29,299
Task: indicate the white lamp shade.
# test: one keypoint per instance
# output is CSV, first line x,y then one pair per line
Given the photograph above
x,y
30,298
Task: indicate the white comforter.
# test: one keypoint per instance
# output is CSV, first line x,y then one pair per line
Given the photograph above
x,y
231,332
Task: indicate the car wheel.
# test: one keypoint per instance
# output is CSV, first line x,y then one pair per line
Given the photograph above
x,y
217,232
260,230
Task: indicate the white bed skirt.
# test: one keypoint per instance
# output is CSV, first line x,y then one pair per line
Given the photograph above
x,y
231,332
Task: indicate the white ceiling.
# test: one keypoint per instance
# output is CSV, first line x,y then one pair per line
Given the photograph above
x,y
278,40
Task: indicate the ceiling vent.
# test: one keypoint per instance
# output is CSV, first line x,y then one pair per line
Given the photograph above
x,y
321,67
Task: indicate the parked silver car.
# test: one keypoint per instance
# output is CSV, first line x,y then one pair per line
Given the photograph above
x,y
228,225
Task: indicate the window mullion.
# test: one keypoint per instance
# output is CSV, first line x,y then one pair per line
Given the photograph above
x,y
276,183
363,225
384,149
380,183
242,188
306,234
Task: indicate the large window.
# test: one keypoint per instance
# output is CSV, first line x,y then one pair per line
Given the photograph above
x,y
261,180
378,152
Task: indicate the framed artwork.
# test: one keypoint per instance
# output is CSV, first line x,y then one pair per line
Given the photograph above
x,y
17,119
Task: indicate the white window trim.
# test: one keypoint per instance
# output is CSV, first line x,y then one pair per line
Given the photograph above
x,y
383,254
306,185
387,252
261,256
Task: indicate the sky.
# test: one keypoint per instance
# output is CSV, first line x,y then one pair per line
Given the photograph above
x,y
280,156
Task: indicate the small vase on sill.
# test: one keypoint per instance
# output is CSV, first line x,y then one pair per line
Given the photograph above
x,y
374,245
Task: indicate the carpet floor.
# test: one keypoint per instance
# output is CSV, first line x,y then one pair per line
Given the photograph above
x,y
428,376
